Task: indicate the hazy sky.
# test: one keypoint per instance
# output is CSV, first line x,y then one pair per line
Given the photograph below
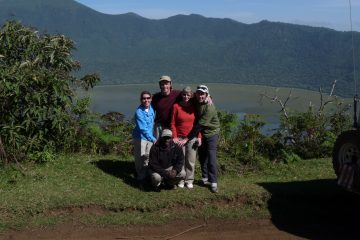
x,y
333,14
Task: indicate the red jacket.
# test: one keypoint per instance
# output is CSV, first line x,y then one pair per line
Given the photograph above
x,y
182,120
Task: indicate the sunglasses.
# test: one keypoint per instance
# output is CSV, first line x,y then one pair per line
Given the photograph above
x,y
202,88
146,98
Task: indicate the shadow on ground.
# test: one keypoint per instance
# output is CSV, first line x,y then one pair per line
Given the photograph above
x,y
122,169
316,209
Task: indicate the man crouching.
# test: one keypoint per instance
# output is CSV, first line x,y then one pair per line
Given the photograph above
x,y
166,162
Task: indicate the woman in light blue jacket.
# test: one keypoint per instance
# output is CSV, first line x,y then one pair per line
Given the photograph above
x,y
143,136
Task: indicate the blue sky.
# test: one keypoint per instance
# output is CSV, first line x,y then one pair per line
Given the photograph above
x,y
326,13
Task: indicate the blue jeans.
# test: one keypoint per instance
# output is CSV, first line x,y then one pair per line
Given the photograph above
x,y
207,158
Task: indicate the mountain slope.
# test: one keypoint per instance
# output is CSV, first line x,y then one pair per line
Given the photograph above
x,y
128,48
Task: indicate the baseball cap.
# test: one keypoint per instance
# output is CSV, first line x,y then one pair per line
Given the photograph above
x,y
165,78
202,88
166,133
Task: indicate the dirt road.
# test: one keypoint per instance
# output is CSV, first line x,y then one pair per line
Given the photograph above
x,y
254,229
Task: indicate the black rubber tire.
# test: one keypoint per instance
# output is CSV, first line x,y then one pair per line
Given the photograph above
x,y
346,149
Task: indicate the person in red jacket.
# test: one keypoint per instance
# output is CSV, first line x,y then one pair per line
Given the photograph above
x,y
182,121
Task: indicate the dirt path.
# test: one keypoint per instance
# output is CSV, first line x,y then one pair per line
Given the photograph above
x,y
215,229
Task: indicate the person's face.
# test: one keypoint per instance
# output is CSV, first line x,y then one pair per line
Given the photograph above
x,y
166,140
165,87
146,100
186,96
201,96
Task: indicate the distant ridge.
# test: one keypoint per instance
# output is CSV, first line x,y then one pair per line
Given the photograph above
x,y
128,48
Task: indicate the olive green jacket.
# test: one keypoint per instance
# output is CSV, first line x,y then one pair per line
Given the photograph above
x,y
208,119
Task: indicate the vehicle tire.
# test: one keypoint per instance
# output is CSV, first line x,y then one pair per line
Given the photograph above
x,y
346,150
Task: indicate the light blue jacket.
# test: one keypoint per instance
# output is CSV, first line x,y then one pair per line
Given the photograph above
x,y
144,124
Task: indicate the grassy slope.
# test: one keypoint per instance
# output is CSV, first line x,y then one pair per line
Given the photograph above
x,y
101,190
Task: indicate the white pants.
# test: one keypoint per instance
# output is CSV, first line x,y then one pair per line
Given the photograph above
x,y
141,155
190,158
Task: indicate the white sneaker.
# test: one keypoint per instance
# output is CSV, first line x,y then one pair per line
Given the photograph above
x,y
214,188
181,185
190,185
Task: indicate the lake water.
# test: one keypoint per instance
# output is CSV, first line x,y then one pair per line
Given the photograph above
x,y
234,98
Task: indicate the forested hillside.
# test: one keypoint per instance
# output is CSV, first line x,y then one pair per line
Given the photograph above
x,y
128,48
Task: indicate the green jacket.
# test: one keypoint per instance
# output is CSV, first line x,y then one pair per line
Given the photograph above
x,y
208,119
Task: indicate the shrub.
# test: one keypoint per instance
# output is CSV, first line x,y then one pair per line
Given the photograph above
x,y
36,90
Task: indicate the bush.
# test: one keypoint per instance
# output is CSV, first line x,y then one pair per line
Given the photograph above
x,y
242,142
103,134
36,90
312,134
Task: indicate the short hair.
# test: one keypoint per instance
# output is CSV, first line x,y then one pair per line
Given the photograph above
x,y
143,93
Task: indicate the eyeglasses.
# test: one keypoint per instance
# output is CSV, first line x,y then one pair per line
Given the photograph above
x,y
146,98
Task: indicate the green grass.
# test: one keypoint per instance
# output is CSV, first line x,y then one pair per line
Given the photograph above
x,y
101,190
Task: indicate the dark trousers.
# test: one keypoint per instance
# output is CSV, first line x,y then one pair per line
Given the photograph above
x,y
207,158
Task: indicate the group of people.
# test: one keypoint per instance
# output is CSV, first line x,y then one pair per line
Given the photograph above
x,y
172,127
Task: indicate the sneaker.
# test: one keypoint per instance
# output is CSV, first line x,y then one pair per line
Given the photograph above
x,y
174,187
214,188
204,182
190,185
181,185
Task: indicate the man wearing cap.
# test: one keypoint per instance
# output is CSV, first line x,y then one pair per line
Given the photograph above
x,y
166,162
162,103
209,126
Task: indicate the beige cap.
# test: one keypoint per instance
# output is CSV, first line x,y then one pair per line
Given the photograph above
x,y
166,133
165,78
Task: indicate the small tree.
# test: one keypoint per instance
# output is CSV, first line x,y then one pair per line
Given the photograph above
x,y
36,90
312,133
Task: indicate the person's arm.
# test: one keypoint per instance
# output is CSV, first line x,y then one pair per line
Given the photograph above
x,y
142,125
194,131
174,115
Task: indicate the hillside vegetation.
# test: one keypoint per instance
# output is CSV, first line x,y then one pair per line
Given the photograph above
x,y
128,48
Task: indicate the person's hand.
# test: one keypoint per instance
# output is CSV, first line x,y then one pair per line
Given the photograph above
x,y
170,173
198,140
173,173
183,142
209,100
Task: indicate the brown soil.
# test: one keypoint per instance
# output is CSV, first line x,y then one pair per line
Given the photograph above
x,y
214,229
